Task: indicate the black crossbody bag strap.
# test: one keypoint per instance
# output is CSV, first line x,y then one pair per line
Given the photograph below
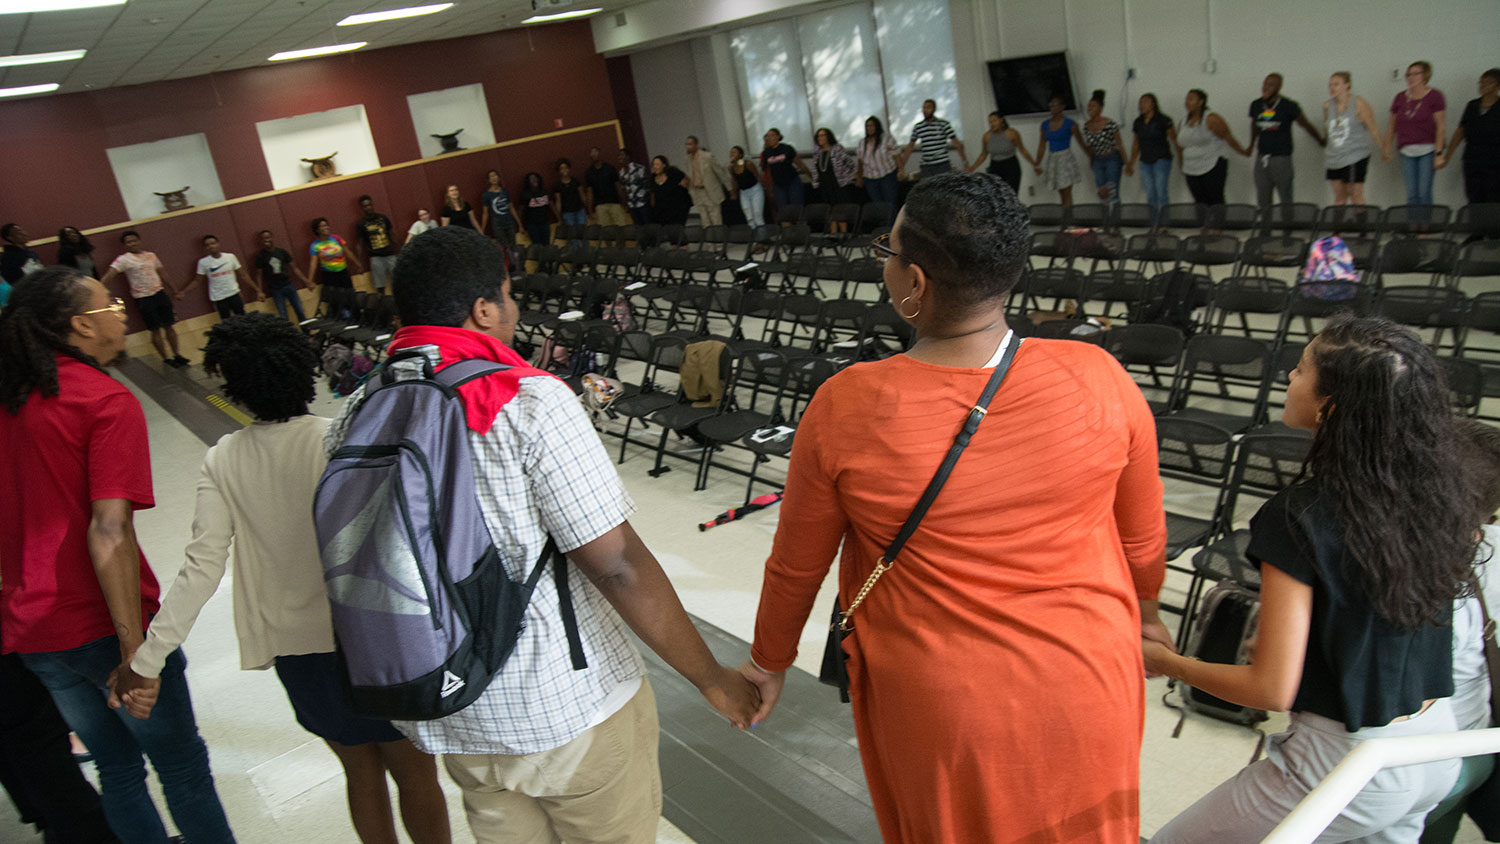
x,y
961,442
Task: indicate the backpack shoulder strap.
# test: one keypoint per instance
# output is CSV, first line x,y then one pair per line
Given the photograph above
x,y
462,372
559,561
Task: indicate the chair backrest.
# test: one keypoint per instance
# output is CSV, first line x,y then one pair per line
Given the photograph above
x,y
1145,345
1465,384
1273,250
759,380
1090,215
873,215
1134,215
1236,216
789,213
1070,329
1349,219
1265,463
1047,215
1159,248
1478,259
1210,250
1424,256
815,215
1238,369
1293,216
1192,450
1416,219
1422,306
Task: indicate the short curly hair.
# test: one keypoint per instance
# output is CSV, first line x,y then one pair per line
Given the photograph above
x,y
268,365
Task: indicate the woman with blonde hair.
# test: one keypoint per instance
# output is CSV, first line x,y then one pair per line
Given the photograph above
x,y
1352,136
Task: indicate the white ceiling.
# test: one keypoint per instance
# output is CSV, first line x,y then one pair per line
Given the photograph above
x,y
151,40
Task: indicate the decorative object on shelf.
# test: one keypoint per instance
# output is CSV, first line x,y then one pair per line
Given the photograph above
x,y
175,200
322,168
450,140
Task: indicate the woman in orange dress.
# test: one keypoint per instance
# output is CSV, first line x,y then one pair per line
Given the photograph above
x,y
996,669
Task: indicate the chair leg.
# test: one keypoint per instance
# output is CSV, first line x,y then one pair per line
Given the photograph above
x,y
754,468
625,438
661,450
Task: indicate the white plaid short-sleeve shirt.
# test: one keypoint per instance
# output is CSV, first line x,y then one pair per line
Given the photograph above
x,y
540,470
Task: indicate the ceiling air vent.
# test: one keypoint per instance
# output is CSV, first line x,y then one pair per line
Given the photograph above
x,y
619,20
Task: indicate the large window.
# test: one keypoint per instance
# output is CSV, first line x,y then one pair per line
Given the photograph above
x,y
836,67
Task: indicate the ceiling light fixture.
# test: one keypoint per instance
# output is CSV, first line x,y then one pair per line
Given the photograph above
x,y
394,14
316,51
22,7
28,89
562,16
41,58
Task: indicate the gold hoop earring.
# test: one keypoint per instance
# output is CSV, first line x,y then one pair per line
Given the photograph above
x,y
913,314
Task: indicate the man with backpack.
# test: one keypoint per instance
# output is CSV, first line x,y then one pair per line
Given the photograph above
x,y
559,742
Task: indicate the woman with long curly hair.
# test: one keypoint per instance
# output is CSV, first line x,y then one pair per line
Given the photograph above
x,y
256,492
1360,563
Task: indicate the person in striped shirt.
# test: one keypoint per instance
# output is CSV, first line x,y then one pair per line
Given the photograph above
x,y
935,136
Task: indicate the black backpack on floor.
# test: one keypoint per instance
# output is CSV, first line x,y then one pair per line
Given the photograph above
x,y
1173,305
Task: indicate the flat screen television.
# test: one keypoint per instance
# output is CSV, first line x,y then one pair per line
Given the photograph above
x,y
1024,85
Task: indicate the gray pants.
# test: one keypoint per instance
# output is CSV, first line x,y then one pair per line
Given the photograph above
x,y
1390,810
380,270
1273,172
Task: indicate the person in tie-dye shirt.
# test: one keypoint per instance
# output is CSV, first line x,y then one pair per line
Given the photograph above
x,y
327,253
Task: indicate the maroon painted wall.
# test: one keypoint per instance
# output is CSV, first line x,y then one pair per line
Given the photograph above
x,y
54,170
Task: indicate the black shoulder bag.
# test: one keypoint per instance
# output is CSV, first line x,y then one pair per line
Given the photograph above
x,y
833,671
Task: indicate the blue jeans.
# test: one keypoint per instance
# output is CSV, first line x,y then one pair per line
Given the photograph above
x,y
1417,173
753,203
883,189
288,295
1154,178
1107,176
77,680
575,218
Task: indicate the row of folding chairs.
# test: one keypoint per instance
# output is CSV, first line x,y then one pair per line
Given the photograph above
x,y
765,391
1234,382
1437,260
1198,457
361,320
1481,219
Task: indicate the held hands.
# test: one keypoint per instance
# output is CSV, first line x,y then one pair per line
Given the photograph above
x,y
734,695
129,689
768,683
1440,161
1158,657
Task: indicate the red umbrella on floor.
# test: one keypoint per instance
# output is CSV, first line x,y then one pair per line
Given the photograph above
x,y
735,513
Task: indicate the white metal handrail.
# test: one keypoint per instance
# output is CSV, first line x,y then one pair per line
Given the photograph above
x,y
1324,803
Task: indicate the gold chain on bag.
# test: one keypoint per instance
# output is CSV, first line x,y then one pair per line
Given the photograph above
x,y
881,567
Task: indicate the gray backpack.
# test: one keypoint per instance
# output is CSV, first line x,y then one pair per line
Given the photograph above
x,y
424,613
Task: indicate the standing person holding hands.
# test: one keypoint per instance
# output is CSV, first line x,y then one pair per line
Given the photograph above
x,y
879,158
1001,144
1416,132
1060,170
1271,119
751,196
329,255
1352,136
1153,136
1202,143
1106,150
457,211
1480,126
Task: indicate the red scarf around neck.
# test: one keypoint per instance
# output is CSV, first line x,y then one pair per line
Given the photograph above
x,y
484,398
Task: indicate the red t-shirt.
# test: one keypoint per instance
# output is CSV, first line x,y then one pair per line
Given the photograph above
x,y
59,456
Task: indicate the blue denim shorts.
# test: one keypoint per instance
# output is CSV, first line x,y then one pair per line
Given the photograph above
x,y
314,686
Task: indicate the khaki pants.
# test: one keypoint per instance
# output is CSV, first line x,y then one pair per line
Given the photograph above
x,y
603,787
611,214
709,211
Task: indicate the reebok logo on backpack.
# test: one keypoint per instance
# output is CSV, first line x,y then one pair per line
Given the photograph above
x,y
424,613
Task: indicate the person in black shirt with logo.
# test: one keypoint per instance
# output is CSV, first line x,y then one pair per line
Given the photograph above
x,y
1271,119
375,234
497,214
1360,563
273,268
